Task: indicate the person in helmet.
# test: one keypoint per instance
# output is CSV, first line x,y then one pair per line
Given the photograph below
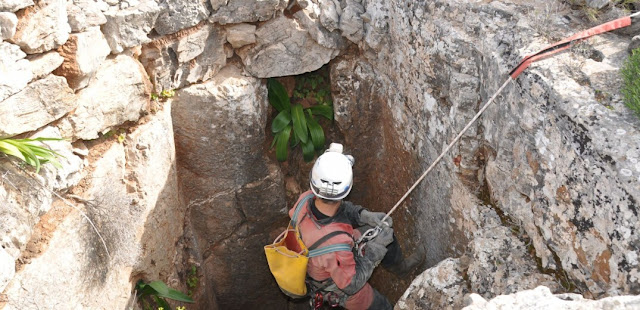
x,y
341,277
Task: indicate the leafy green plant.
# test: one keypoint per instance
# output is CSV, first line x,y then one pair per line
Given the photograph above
x,y
31,153
167,93
294,124
631,82
122,136
192,280
311,86
158,292
164,95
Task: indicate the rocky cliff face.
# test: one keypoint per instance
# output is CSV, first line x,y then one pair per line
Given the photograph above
x,y
543,190
555,164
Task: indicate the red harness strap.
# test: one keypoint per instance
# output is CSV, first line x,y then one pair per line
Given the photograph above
x,y
568,42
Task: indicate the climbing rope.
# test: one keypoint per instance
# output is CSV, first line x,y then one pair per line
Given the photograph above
x,y
524,64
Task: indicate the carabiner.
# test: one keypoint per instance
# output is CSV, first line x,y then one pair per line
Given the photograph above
x,y
317,301
368,235
333,299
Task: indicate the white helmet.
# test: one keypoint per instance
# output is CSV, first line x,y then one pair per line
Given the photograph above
x,y
331,176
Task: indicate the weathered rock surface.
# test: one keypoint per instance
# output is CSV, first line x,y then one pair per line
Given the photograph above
x,y
43,64
70,174
7,268
542,298
15,71
187,57
635,43
180,15
309,19
129,27
550,166
351,21
23,203
240,35
40,103
244,11
42,27
433,78
497,261
83,53
83,14
8,23
235,198
597,4
283,48
26,196
500,263
108,102
440,287
151,162
14,5
130,194
547,183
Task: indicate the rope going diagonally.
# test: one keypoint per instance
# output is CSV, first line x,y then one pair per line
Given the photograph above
x,y
524,64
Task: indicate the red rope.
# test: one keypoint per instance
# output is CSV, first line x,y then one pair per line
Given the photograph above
x,y
568,42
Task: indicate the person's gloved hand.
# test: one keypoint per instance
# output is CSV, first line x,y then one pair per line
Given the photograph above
x,y
374,252
384,237
374,219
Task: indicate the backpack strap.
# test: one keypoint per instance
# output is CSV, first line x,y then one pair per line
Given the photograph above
x,y
330,249
296,213
327,237
313,252
323,250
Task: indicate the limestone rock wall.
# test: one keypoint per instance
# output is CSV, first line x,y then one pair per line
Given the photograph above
x,y
553,158
86,71
543,298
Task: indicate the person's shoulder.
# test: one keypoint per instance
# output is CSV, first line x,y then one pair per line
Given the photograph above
x,y
308,194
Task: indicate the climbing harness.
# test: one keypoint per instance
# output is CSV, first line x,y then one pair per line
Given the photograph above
x,y
318,300
325,291
288,256
524,64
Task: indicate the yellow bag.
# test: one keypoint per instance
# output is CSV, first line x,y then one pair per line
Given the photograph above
x,y
288,256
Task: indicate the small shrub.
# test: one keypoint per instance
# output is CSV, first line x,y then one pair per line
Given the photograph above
x,y
192,280
31,153
631,82
163,95
157,292
296,125
167,93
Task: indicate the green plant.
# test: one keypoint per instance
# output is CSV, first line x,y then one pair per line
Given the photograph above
x,y
119,134
122,136
192,280
158,292
30,153
167,93
294,118
312,86
164,95
631,82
